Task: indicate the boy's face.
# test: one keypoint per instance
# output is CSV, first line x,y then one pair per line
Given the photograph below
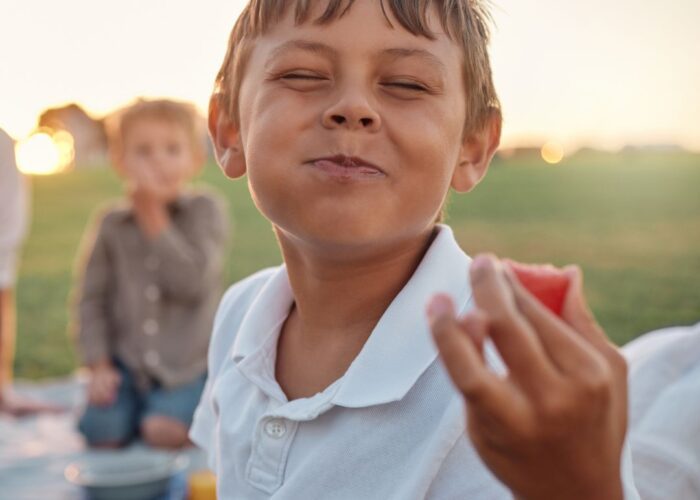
x,y
157,157
315,95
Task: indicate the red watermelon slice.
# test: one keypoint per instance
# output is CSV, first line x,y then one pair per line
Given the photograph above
x,y
546,282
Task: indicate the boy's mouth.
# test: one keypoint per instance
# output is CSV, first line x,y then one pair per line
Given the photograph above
x,y
347,167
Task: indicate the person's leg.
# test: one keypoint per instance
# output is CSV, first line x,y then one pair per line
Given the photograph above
x,y
10,402
115,425
168,414
7,315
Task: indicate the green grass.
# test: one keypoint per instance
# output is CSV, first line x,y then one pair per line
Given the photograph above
x,y
631,221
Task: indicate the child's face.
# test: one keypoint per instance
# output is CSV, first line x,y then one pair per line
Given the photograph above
x,y
157,157
358,88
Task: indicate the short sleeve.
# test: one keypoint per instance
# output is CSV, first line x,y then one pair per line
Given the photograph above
x,y
202,432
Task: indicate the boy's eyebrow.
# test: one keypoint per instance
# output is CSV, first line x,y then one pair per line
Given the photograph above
x,y
306,45
427,57
331,53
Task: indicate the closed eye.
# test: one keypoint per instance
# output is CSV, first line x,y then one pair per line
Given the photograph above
x,y
408,86
301,76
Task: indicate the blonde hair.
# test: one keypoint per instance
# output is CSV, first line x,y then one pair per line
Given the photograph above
x,y
178,113
464,21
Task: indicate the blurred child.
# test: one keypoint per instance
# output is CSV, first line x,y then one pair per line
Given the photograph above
x,y
352,120
150,283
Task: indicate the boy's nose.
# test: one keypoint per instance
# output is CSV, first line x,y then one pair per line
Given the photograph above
x,y
352,113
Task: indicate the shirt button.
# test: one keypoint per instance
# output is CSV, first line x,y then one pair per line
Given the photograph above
x,y
152,262
275,428
150,327
152,293
152,358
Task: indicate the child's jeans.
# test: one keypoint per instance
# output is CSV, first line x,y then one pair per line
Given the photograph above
x,y
119,422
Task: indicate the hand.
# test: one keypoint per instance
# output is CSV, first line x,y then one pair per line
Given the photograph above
x,y
149,202
553,426
103,385
147,187
21,406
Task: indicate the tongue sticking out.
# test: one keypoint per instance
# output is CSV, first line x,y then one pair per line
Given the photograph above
x,y
547,283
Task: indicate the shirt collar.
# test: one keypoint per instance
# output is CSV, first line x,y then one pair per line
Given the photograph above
x,y
400,347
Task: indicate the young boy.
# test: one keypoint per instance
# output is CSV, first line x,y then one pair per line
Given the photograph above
x,y
352,120
150,283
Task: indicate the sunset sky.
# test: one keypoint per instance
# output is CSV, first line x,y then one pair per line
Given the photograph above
x,y
598,72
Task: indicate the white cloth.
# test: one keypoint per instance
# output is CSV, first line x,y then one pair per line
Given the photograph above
x,y
665,412
13,210
392,427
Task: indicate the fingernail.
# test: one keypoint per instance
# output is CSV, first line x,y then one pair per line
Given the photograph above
x,y
480,263
439,305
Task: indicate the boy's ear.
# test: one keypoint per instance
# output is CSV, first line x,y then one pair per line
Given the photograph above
x,y
225,136
476,153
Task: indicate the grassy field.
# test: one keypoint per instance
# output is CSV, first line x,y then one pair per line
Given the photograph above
x,y
631,221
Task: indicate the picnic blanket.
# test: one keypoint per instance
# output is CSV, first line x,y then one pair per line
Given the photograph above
x,y
34,451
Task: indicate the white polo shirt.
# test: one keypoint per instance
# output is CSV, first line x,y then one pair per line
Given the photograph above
x,y
392,427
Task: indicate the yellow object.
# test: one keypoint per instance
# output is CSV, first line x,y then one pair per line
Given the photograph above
x,y
202,486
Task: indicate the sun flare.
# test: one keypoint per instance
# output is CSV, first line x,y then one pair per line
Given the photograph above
x,y
552,152
44,154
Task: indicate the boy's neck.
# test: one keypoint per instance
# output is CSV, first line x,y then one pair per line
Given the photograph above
x,y
338,300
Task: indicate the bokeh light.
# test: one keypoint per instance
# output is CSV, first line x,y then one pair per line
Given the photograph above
x,y
44,154
552,152
66,148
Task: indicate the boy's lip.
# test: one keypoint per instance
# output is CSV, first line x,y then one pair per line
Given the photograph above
x,y
349,163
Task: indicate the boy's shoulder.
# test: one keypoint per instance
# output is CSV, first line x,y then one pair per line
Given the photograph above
x,y
241,294
232,309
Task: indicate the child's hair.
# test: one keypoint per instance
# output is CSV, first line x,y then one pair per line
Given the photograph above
x,y
464,21
179,113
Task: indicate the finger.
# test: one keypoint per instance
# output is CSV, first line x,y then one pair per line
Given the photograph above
x,y
478,385
567,350
91,395
97,396
513,336
110,396
475,324
577,313
150,180
103,390
115,379
108,392
132,187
